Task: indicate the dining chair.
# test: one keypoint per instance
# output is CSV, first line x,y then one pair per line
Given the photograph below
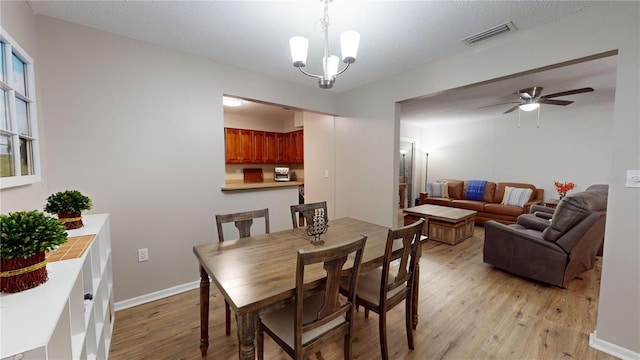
x,y
382,288
303,211
243,222
319,315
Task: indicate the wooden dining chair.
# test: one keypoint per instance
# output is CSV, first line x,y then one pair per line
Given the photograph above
x,y
319,315
381,289
303,211
243,222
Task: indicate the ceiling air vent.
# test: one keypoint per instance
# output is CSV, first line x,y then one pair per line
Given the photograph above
x,y
489,33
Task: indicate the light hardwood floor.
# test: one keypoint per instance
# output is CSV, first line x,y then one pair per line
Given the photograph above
x,y
468,310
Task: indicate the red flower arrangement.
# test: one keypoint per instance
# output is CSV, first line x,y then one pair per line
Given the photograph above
x,y
563,188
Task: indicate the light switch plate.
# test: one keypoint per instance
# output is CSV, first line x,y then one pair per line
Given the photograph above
x,y
633,178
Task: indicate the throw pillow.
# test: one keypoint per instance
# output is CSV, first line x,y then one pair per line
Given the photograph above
x,y
516,196
438,189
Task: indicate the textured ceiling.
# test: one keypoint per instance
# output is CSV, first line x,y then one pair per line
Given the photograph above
x,y
396,36
468,103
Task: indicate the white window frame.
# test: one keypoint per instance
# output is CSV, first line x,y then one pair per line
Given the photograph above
x,y
7,84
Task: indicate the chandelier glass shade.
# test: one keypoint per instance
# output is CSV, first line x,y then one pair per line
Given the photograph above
x,y
349,41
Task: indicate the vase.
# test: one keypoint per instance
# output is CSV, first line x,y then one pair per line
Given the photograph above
x,y
562,195
317,225
18,274
70,220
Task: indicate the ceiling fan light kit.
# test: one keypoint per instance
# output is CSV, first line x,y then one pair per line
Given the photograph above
x,y
530,99
349,41
529,106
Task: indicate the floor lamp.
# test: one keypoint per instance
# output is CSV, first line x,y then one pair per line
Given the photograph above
x,y
426,171
404,153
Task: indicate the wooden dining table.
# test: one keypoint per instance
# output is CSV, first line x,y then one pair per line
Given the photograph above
x,y
257,273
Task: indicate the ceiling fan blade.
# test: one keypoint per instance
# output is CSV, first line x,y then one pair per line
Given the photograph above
x,y
565,93
510,110
511,102
555,102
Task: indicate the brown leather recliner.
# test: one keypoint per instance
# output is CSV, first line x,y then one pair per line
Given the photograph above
x,y
554,254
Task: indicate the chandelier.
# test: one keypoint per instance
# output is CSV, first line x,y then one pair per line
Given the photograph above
x,y
349,41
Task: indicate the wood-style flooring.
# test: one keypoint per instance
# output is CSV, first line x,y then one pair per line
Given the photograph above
x,y
468,310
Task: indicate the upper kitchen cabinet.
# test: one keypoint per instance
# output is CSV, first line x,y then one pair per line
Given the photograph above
x,y
270,147
244,146
298,147
238,145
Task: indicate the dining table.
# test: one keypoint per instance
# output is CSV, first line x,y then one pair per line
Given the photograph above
x,y
256,274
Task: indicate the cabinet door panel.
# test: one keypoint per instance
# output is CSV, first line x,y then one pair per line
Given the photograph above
x,y
246,146
259,154
270,147
282,145
238,145
299,147
232,145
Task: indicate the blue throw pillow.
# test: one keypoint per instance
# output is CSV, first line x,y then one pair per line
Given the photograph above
x,y
475,189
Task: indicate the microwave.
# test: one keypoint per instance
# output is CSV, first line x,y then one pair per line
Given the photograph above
x,y
282,174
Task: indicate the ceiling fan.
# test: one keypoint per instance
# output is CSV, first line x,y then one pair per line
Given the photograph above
x,y
530,98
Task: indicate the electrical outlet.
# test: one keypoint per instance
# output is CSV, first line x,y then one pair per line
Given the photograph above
x,y
633,178
143,255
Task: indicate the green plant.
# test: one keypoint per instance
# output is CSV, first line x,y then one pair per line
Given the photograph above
x,y
26,233
68,201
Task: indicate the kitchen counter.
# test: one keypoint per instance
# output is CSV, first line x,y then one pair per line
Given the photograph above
x,y
267,184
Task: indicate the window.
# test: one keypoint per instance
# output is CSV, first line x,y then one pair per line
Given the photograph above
x,y
19,157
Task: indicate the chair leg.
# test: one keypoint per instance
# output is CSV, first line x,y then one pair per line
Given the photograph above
x,y
409,321
383,335
366,313
227,317
347,347
260,341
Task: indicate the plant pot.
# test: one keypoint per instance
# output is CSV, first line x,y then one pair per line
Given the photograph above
x,y
70,220
20,274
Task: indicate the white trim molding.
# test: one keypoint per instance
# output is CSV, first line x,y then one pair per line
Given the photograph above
x,y
143,299
612,349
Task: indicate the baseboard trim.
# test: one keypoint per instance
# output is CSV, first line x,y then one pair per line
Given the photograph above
x,y
612,349
143,299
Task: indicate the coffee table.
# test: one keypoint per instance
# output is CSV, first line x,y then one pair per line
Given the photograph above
x,y
442,223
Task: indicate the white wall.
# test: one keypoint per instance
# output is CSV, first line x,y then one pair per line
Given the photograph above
x,y
373,122
571,144
255,123
139,129
119,128
17,20
319,157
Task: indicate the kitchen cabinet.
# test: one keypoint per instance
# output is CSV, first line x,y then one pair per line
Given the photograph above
x,y
238,145
258,146
283,143
270,149
244,146
297,142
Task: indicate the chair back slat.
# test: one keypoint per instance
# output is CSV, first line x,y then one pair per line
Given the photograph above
x,y
403,259
242,221
333,259
307,211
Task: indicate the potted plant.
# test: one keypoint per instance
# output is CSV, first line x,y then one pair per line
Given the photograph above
x,y
69,205
26,235
563,188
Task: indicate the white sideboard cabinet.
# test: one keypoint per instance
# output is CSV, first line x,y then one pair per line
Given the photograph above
x,y
53,320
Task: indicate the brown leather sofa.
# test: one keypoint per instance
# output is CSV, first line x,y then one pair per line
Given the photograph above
x,y
556,253
490,207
